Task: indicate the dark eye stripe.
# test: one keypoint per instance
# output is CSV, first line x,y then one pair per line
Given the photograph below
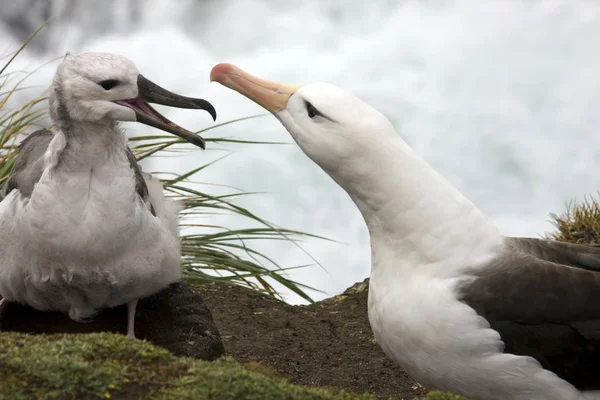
x,y
109,84
313,112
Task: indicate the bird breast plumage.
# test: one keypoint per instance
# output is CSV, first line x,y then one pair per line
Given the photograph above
x,y
84,241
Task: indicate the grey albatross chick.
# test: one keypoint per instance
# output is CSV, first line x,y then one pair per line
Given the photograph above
x,y
459,306
81,226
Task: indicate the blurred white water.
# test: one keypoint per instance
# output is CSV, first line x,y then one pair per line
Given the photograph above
x,y
501,97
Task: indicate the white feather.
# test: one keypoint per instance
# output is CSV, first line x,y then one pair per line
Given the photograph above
x,y
424,234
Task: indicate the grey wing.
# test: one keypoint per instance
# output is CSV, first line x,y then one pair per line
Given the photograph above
x,y
530,290
574,255
140,184
29,164
544,301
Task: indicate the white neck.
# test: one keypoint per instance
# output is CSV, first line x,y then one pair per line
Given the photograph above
x,y
411,211
82,143
91,144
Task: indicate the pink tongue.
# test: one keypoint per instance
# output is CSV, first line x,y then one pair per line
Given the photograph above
x,y
141,107
136,104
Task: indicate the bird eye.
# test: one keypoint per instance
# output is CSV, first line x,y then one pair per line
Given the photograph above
x,y
311,110
109,84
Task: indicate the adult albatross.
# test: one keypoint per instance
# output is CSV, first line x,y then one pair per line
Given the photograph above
x,y
81,226
456,304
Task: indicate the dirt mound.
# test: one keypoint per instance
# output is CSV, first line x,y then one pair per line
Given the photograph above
x,y
329,343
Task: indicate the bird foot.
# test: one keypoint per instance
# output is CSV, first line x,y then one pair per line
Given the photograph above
x,y
131,318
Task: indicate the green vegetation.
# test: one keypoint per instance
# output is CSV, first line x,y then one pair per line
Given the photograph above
x,y
580,223
109,366
13,122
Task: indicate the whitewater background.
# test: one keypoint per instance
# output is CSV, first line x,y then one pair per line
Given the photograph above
x,y
501,97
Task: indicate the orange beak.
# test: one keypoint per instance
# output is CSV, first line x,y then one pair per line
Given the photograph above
x,y
269,95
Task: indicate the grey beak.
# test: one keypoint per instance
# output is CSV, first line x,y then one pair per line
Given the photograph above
x,y
149,92
153,93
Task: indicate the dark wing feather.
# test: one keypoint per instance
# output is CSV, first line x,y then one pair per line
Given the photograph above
x,y
574,255
538,296
140,184
29,164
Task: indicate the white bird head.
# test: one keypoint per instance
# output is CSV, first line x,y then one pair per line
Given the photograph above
x,y
399,195
331,126
103,87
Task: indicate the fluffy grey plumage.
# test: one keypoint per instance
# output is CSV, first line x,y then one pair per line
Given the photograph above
x,y
82,226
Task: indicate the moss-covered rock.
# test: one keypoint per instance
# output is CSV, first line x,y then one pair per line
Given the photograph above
x,y
111,366
104,366
175,318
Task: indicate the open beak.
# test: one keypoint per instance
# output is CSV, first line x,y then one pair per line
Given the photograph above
x,y
270,95
149,92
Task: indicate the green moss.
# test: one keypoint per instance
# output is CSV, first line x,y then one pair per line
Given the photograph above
x,y
101,366
580,223
109,366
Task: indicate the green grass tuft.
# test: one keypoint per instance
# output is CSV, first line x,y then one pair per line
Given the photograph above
x,y
580,223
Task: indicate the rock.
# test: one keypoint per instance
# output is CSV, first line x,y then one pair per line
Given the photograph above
x,y
176,318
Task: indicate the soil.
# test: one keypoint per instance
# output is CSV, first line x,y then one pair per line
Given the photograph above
x,y
329,343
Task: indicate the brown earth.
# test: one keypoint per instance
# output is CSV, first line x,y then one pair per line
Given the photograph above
x,y
329,343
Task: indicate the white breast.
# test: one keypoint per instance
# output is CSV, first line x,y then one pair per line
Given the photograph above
x,y
84,241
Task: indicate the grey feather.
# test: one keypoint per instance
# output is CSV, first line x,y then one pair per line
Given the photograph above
x,y
29,165
536,283
140,184
535,295
574,255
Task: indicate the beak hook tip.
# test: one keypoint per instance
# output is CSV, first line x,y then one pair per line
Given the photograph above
x,y
213,113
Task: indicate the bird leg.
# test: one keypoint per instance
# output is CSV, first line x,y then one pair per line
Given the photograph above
x,y
3,304
131,318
